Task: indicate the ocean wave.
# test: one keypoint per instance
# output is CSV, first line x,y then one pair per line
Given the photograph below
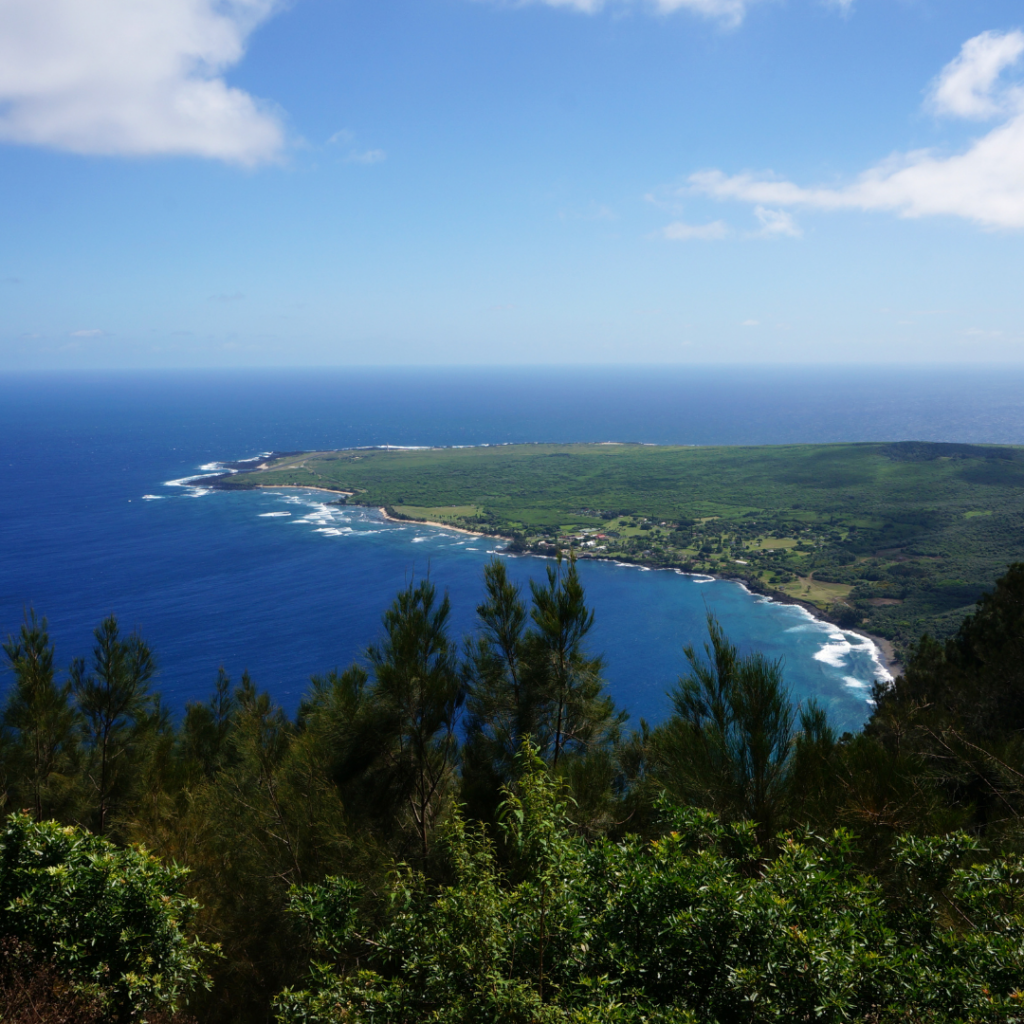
x,y
837,651
273,515
193,484
186,481
153,497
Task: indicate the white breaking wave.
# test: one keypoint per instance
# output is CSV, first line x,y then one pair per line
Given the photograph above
x,y
836,653
193,484
207,470
273,515
153,497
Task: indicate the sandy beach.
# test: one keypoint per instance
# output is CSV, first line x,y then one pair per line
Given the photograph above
x,y
443,526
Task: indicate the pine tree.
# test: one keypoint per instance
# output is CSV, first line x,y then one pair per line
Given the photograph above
x,y
728,746
500,699
539,682
42,719
414,705
115,702
573,713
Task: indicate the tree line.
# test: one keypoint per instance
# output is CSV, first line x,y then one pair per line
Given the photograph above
x,y
461,830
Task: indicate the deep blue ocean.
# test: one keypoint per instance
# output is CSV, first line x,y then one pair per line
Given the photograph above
x,y
213,578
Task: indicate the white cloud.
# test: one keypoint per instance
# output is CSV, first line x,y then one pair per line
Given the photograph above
x,y
93,333
730,12
680,232
751,323
133,77
966,86
775,223
984,183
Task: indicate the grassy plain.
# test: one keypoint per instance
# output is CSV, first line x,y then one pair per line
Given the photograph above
x,y
896,538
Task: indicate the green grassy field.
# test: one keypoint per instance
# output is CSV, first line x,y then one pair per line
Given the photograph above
x,y
895,538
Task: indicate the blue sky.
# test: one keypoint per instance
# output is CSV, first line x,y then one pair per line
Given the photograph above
x,y
190,183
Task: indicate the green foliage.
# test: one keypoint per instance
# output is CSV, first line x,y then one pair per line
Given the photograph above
x,y
114,920
412,711
538,681
43,722
115,703
455,874
685,928
573,710
958,711
729,745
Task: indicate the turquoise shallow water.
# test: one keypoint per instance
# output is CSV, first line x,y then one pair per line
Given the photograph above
x,y
216,578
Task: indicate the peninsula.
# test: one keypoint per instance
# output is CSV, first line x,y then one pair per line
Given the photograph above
x,y
898,539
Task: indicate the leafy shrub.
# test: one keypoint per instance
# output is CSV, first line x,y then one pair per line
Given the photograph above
x,y
694,926
109,920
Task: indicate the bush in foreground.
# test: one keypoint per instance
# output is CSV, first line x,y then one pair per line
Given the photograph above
x,y
110,922
694,926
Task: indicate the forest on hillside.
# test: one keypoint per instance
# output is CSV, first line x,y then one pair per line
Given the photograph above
x,y
468,830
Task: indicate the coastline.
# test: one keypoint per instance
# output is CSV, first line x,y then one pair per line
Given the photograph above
x,y
427,522
885,658
298,487
885,653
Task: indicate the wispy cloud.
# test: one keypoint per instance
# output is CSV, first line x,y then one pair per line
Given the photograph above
x,y
679,231
775,223
984,183
369,156
355,155
728,12
133,78
94,332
